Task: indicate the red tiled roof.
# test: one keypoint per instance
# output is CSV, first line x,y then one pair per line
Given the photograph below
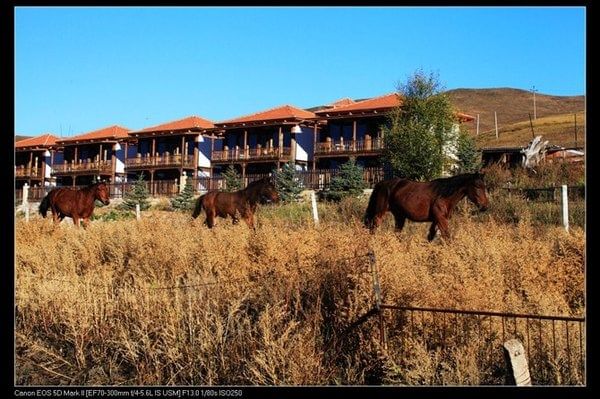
x,y
111,132
341,102
188,123
38,141
283,112
387,101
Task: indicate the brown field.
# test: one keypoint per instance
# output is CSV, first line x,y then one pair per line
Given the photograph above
x,y
166,301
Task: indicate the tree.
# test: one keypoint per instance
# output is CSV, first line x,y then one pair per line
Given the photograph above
x,y
468,156
419,129
137,195
348,182
185,200
287,182
233,181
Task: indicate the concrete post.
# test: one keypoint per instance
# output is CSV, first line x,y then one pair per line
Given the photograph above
x,y
565,207
313,199
25,196
516,363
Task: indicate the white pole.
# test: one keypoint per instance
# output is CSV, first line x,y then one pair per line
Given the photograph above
x,y
565,207
137,211
27,214
313,199
496,123
477,124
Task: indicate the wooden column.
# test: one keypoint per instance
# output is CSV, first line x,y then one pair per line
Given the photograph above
x,y
293,146
113,159
125,158
75,156
100,155
30,165
280,137
153,154
51,162
245,144
243,173
74,179
315,133
354,134
196,154
182,150
212,150
43,170
152,180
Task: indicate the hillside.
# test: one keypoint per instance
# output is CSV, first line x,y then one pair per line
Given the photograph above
x,y
511,106
557,129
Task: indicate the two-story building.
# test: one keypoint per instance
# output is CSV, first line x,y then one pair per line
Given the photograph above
x,y
92,155
34,157
166,151
264,141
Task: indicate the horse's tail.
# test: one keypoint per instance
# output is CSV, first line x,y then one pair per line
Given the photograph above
x,y
44,205
378,202
198,207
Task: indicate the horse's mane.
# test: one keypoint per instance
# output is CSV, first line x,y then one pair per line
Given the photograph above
x,y
253,190
447,186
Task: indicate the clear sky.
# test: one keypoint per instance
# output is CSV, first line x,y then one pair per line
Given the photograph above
x,y
82,69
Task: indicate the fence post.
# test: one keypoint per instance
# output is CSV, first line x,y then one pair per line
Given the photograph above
x,y
377,291
517,370
565,207
313,199
137,211
25,203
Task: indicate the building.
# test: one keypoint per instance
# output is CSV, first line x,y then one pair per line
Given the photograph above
x,y
90,156
166,151
261,142
34,157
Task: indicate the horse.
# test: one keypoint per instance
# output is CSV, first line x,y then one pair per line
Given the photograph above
x,y
74,203
432,201
223,204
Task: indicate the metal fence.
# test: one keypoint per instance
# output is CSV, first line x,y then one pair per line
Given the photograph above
x,y
555,345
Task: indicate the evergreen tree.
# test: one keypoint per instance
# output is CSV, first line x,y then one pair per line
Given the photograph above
x,y
468,156
288,183
419,129
185,200
137,195
348,182
233,181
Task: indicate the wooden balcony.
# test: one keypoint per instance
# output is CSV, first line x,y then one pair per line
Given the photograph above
x,y
88,167
163,161
351,147
23,171
265,154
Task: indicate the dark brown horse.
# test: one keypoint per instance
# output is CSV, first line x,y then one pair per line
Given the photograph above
x,y
74,203
242,202
431,201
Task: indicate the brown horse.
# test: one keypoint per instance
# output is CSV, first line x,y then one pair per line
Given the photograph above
x,y
431,201
74,203
223,204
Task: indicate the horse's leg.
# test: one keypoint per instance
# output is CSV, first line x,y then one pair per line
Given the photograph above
x,y
400,219
376,222
85,222
76,221
432,231
249,219
210,219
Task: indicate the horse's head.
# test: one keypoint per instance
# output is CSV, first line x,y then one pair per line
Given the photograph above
x,y
476,192
102,193
268,192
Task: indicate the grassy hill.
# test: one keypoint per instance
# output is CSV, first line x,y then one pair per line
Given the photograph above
x,y
514,106
557,129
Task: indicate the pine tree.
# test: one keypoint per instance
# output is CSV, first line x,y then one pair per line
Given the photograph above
x,y
185,200
137,195
348,182
288,184
468,156
233,181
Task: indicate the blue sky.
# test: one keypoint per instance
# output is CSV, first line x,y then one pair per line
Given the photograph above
x,y
81,69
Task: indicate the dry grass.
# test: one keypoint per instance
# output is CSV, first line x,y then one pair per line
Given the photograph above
x,y
98,306
557,129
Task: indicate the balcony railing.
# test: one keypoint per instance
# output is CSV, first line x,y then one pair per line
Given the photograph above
x,y
91,166
351,146
237,154
164,160
23,171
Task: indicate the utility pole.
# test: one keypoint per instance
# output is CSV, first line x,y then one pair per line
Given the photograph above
x,y
531,124
477,124
533,90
